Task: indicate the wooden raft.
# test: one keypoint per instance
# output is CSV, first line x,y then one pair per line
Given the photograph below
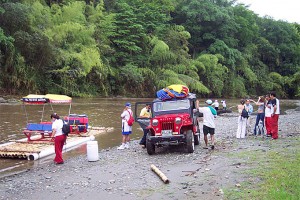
x,y
21,149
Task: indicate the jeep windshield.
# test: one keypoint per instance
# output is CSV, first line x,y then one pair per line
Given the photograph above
x,y
166,107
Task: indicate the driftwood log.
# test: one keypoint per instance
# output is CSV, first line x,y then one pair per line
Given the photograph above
x,y
160,174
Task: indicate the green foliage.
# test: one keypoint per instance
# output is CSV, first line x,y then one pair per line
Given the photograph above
x,y
103,47
214,74
160,53
14,18
238,88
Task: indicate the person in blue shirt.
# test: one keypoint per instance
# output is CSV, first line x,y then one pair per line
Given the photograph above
x,y
249,108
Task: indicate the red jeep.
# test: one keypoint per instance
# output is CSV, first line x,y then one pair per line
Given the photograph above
x,y
173,122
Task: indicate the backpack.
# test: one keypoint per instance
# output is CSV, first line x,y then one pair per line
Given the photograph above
x,y
66,129
130,121
245,113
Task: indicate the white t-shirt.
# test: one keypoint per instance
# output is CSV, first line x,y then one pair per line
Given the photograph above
x,y
224,104
216,104
208,117
57,125
125,117
278,107
269,111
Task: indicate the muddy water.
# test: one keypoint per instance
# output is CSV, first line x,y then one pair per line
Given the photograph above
x,y
101,113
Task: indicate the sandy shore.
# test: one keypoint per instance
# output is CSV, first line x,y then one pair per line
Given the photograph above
x,y
126,174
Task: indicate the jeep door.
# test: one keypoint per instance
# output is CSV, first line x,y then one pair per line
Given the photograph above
x,y
143,122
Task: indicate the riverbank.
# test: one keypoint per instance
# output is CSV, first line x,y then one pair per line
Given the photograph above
x,y
204,174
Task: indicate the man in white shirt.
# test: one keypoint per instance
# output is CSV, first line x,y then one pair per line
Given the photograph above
x,y
209,114
216,104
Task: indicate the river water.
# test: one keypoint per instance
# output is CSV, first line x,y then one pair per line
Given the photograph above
x,y
102,112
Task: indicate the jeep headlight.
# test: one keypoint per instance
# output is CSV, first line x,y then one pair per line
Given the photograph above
x,y
154,122
178,120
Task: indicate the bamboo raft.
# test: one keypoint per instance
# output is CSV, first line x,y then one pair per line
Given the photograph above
x,y
33,150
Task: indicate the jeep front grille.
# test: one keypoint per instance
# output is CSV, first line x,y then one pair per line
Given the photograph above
x,y
167,126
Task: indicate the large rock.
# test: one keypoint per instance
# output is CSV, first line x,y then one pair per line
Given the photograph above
x,y
2,100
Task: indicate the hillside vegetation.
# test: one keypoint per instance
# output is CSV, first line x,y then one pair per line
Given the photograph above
x,y
134,47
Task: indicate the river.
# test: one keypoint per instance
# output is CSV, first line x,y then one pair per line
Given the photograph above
x,y
102,112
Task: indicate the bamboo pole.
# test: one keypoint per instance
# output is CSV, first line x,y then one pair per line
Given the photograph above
x,y
20,151
33,142
160,174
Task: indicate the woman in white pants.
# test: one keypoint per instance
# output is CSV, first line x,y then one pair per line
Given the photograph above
x,y
242,122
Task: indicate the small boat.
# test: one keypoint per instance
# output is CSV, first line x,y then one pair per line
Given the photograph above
x,y
78,123
38,142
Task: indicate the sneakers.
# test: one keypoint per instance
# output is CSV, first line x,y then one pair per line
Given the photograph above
x,y
124,146
121,147
127,146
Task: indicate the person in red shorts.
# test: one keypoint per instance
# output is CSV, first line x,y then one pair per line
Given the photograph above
x,y
274,115
58,137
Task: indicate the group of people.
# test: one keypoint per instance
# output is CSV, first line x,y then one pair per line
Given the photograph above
x,y
267,116
216,104
209,113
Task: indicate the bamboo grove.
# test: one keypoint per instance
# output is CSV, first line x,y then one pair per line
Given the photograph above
x,y
133,48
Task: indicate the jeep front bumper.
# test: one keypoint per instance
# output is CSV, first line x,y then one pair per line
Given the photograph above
x,y
172,139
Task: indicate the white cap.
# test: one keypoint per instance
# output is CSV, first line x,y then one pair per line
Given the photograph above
x,y
208,101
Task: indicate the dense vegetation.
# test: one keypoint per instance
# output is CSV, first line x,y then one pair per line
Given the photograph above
x,y
135,47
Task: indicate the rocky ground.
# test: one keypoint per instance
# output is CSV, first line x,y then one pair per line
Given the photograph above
x,y
126,174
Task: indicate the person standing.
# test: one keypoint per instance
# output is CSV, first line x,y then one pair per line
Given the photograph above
x,y
249,108
126,129
268,113
260,112
58,137
209,114
145,113
223,104
242,121
275,115
216,104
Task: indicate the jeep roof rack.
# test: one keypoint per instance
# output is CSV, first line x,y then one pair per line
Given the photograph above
x,y
190,96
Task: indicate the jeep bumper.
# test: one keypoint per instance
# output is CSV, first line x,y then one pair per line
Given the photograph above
x,y
173,139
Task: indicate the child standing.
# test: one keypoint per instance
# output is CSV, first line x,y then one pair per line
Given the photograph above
x,y
126,129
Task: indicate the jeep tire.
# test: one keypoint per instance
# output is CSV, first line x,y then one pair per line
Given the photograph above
x,y
150,147
190,145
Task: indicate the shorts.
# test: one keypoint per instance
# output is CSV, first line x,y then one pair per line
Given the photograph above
x,y
126,133
209,130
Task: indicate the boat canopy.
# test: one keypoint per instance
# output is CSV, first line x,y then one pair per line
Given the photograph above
x,y
48,98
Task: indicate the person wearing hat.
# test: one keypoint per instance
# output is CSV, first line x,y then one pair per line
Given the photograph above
x,y
126,129
58,137
145,113
209,114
